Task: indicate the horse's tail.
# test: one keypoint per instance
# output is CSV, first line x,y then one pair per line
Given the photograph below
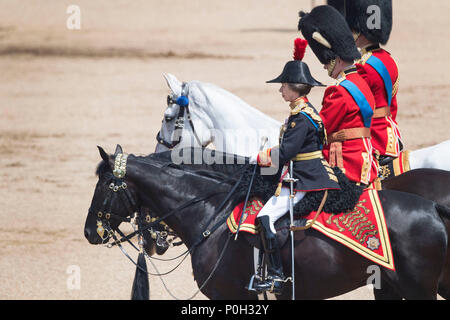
x,y
444,211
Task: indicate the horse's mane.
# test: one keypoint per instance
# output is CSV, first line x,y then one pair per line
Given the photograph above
x,y
225,166
222,171
262,186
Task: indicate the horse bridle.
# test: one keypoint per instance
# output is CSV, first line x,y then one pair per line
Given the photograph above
x,y
119,189
116,185
179,121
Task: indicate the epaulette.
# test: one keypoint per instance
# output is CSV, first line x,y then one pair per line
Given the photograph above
x,y
395,86
317,122
310,112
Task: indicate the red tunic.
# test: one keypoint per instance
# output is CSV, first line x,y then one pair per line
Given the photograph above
x,y
384,131
340,111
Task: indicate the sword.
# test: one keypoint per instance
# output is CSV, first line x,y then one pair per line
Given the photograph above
x,y
263,143
291,181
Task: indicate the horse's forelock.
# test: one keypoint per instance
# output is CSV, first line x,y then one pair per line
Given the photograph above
x,y
102,168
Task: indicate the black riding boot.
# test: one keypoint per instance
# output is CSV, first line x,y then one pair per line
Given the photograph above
x,y
275,277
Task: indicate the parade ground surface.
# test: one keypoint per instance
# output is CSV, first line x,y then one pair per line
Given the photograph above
x,y
63,92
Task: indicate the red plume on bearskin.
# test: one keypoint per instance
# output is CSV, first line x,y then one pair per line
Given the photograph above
x,y
299,48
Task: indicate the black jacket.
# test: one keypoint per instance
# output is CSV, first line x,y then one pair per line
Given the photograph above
x,y
301,139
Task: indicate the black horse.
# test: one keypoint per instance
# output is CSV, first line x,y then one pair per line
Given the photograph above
x,y
324,268
432,184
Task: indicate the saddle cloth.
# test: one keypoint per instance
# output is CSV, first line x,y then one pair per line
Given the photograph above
x,y
362,230
254,205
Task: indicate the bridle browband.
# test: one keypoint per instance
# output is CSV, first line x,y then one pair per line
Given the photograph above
x,y
179,121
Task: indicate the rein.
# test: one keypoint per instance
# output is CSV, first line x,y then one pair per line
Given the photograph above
x,y
206,233
183,103
117,184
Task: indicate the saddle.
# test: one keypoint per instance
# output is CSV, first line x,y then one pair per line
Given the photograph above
x,y
352,216
338,201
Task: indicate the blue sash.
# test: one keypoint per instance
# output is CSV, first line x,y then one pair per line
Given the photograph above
x,y
381,69
360,100
314,124
310,119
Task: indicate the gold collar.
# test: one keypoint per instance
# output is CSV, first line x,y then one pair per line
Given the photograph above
x,y
298,104
343,75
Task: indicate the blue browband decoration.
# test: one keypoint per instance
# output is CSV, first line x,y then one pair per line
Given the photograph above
x,y
360,100
182,101
381,69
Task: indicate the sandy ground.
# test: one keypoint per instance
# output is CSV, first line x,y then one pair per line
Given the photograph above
x,y
63,92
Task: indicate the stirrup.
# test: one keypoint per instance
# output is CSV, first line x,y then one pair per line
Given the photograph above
x,y
274,288
252,280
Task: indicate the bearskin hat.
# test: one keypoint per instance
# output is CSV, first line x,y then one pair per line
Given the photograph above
x,y
328,34
340,5
362,15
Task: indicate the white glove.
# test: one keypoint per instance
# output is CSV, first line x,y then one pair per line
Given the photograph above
x,y
254,159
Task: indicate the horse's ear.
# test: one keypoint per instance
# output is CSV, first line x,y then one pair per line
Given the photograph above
x,y
103,154
173,83
118,150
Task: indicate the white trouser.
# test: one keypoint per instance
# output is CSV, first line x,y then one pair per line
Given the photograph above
x,y
276,207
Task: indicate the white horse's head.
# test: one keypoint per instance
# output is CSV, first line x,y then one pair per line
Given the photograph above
x,y
179,129
218,116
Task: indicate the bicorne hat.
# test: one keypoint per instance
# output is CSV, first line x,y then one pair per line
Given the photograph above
x,y
328,34
296,71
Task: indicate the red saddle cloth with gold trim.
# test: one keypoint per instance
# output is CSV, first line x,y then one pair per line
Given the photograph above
x,y
254,205
363,229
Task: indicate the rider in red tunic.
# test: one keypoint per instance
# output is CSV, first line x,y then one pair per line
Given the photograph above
x,y
339,113
379,70
347,106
